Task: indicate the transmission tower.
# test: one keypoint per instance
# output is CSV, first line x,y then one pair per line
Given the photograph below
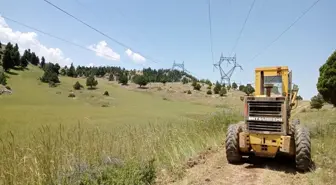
x,y
179,65
226,76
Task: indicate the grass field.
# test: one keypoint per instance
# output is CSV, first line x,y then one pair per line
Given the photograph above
x,y
322,125
49,138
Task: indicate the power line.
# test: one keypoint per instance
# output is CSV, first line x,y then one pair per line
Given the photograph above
x,y
95,29
210,29
289,27
242,29
56,37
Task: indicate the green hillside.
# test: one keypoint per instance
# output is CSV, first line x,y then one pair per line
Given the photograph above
x,y
40,125
38,104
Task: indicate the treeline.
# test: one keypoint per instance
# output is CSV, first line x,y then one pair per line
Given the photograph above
x,y
152,75
12,59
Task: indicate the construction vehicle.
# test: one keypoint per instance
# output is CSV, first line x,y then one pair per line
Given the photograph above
x,y
266,130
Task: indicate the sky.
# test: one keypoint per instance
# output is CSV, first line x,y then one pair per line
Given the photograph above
x,y
157,33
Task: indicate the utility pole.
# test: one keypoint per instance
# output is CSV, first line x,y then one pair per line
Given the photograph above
x,y
226,76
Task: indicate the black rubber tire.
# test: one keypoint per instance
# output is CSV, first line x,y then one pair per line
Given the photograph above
x,y
233,154
292,126
302,148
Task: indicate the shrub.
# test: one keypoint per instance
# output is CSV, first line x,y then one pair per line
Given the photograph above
x,y
197,87
241,88
184,80
106,93
209,87
194,83
111,77
71,95
3,79
248,89
123,80
141,80
77,86
316,102
222,92
49,76
189,92
234,85
209,92
217,88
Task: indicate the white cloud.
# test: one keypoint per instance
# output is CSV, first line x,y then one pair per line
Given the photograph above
x,y
29,40
103,50
136,57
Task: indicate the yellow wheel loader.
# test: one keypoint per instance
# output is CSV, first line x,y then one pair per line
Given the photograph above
x,y
266,130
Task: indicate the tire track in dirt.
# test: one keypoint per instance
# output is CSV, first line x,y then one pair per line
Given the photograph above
x,y
215,170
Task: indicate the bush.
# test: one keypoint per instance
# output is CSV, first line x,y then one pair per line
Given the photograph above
x,y
106,93
194,83
111,77
140,80
248,89
49,76
217,88
77,86
189,92
209,92
241,88
222,92
197,87
71,95
3,79
316,102
184,80
234,85
123,80
209,87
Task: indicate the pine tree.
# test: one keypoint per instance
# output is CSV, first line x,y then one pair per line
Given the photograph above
x,y
71,72
24,59
217,88
16,55
34,59
42,62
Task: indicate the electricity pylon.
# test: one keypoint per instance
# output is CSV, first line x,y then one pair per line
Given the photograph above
x,y
226,76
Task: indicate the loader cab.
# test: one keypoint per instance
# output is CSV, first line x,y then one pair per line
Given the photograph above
x,y
278,77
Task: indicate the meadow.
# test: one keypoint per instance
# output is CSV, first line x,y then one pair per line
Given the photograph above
x,y
124,138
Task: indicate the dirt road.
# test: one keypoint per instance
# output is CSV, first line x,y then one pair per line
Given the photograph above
x,y
213,169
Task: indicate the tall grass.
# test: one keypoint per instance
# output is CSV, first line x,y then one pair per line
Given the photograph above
x,y
84,154
322,125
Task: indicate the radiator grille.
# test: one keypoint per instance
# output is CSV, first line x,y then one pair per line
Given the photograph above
x,y
265,109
